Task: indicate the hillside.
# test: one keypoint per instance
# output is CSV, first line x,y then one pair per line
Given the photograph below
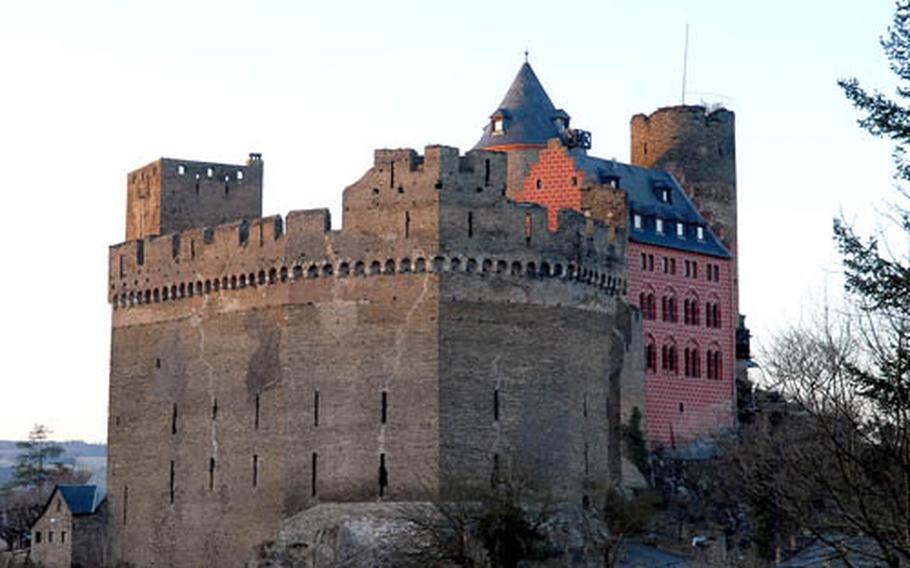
x,y
83,455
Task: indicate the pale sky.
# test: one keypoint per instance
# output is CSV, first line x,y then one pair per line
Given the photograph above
x,y
90,90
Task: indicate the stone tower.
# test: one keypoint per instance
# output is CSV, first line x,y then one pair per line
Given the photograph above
x,y
169,195
698,147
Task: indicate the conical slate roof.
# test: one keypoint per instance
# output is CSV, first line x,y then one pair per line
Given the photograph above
x,y
529,117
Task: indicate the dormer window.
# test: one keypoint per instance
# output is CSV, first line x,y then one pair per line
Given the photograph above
x,y
499,124
700,233
681,230
636,221
665,194
659,225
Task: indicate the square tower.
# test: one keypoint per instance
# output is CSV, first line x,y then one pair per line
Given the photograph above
x,y
171,195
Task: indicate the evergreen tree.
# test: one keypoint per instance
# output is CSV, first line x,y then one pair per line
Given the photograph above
x,y
38,463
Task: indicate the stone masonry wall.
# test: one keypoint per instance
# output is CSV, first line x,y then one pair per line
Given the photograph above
x,y
699,148
55,549
266,365
169,195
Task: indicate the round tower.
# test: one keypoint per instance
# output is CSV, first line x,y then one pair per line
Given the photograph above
x,y
697,145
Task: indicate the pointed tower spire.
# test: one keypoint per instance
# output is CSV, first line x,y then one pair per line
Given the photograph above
x,y
526,117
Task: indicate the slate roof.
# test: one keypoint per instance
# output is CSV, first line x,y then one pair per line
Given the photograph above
x,y
81,499
530,119
644,187
528,113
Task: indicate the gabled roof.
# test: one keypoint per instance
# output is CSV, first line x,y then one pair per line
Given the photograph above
x,y
644,187
528,114
81,499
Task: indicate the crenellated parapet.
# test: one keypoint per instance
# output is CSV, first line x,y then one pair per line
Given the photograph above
x,y
409,214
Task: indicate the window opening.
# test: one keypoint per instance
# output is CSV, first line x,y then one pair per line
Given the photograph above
x,y
316,409
174,420
528,228
255,470
211,474
313,474
385,407
256,418
171,484
496,405
383,475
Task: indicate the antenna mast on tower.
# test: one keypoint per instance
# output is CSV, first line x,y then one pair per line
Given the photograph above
x,y
685,64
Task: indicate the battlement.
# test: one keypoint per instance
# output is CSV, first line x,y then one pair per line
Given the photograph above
x,y
170,195
693,114
444,213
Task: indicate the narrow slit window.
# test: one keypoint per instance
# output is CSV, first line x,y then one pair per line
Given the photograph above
x,y
528,228
256,417
174,419
255,470
171,484
126,497
315,409
407,224
496,405
470,224
214,409
486,174
385,407
211,474
315,461
383,475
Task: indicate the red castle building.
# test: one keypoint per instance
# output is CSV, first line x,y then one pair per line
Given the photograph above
x,y
679,195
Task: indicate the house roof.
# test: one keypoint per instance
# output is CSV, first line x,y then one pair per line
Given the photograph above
x,y
81,499
530,120
646,189
529,117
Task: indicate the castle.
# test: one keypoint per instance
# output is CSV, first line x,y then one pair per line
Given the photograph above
x,y
474,315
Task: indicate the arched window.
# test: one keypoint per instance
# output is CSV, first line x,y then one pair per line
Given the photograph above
x,y
668,356
650,355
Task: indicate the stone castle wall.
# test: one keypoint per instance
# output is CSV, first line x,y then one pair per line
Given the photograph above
x,y
699,148
442,336
170,195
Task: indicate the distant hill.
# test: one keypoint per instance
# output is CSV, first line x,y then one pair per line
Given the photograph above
x,y
83,455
